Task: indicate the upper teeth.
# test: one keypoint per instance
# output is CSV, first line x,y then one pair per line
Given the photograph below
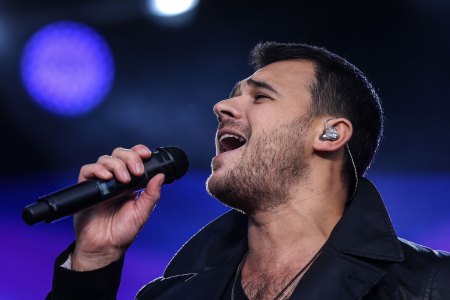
x,y
227,135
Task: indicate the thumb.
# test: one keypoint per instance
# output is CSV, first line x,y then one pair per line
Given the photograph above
x,y
149,197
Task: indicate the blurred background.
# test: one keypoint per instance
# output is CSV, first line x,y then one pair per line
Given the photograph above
x,y
79,78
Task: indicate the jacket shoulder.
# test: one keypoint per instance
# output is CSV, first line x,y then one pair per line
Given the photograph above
x,y
416,251
434,264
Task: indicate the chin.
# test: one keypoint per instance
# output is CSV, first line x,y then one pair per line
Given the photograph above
x,y
220,186
211,185
215,183
212,181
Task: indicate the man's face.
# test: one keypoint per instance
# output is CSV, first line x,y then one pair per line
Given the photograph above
x,y
262,140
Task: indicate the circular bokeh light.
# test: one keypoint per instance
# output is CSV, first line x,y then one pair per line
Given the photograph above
x,y
170,8
67,68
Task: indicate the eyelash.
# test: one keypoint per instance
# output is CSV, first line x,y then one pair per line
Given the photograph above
x,y
259,96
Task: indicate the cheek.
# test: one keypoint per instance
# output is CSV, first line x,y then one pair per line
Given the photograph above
x,y
271,114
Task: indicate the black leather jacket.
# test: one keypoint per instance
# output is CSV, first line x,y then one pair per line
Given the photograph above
x,y
363,259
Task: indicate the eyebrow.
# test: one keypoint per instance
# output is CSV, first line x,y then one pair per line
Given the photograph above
x,y
254,83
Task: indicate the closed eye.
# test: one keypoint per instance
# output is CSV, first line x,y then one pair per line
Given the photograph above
x,y
262,96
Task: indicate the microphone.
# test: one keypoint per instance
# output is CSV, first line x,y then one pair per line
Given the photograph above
x,y
172,161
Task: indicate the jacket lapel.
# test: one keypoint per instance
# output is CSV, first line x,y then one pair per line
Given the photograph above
x,y
209,259
365,229
209,283
337,276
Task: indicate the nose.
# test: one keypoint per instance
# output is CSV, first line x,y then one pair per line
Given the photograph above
x,y
227,108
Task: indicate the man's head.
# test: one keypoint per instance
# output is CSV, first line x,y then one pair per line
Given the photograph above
x,y
264,142
339,89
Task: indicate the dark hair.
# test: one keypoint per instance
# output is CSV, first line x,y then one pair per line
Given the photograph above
x,y
339,89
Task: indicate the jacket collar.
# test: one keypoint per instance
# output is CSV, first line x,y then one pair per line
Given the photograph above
x,y
347,268
217,244
365,229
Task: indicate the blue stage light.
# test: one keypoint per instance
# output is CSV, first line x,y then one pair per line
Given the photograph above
x,y
67,68
170,8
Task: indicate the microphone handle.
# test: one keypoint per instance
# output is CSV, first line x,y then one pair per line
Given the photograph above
x,y
88,193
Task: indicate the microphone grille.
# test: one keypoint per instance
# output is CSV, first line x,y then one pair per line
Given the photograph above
x,y
180,159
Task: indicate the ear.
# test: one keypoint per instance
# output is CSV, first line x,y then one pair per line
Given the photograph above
x,y
344,129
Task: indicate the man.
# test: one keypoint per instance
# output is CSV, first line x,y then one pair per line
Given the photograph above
x,y
293,143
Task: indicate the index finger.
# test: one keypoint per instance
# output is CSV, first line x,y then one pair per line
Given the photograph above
x,y
142,150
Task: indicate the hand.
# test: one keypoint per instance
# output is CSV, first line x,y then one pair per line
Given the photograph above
x,y
104,231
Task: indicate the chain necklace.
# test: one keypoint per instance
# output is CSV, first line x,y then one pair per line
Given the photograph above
x,y
237,273
287,290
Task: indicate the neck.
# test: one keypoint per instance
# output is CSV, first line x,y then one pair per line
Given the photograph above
x,y
296,230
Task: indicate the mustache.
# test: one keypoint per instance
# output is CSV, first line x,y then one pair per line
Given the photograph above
x,y
229,123
234,124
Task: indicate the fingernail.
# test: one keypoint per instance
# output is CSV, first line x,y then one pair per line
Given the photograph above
x,y
125,175
139,168
161,180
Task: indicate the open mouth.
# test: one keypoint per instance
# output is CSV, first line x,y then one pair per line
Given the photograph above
x,y
228,142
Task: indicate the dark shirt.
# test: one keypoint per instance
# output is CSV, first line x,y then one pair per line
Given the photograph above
x,y
239,293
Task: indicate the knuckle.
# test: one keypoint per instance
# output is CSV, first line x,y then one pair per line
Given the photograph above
x,y
115,163
87,168
141,149
103,158
151,195
118,150
86,171
109,162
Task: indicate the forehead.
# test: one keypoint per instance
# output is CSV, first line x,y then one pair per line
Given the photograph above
x,y
286,78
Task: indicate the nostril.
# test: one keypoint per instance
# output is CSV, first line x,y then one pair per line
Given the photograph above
x,y
226,113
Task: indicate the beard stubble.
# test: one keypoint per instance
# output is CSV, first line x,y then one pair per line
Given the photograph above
x,y
262,178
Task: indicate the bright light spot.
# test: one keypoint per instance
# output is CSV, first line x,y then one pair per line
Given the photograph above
x,y
67,68
170,8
